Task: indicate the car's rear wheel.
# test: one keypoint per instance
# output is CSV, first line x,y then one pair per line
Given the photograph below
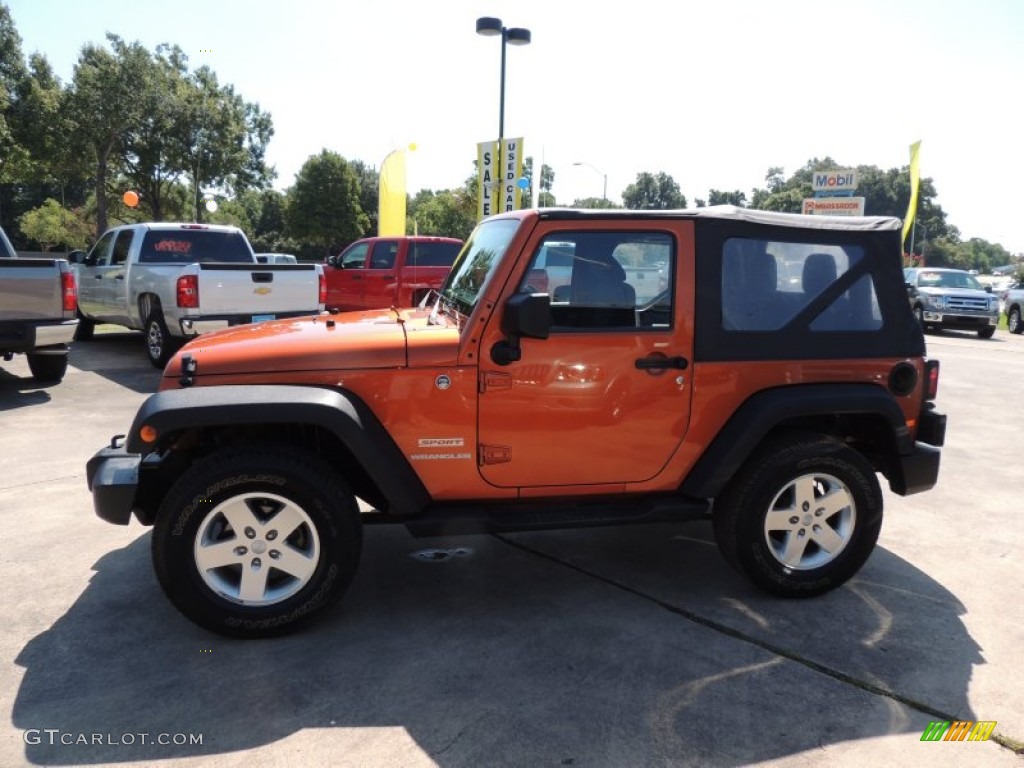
x,y
1013,321
801,516
252,542
159,343
85,328
48,368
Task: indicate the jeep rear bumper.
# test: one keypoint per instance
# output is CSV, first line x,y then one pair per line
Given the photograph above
x,y
113,478
919,470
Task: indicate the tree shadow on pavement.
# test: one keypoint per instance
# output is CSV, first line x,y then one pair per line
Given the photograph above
x,y
604,647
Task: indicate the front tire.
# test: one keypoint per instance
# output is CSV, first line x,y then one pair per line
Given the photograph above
x,y
987,333
48,369
252,542
801,516
1013,321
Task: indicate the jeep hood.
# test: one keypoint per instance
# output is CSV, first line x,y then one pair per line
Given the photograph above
x,y
346,341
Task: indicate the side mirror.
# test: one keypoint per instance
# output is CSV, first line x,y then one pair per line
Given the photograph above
x,y
90,260
332,261
988,289
76,257
526,315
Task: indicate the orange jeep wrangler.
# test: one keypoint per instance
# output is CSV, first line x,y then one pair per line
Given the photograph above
x,y
766,386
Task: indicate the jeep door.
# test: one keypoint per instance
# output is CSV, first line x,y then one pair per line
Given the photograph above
x,y
605,399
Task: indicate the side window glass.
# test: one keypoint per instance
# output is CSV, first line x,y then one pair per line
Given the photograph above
x,y
605,280
355,257
766,284
121,247
384,254
100,253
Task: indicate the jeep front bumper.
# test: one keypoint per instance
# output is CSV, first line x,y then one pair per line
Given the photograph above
x,y
113,478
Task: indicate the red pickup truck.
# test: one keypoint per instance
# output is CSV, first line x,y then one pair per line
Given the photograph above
x,y
381,272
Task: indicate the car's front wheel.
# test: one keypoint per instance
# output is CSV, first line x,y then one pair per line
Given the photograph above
x,y
159,344
252,541
1013,320
801,516
987,333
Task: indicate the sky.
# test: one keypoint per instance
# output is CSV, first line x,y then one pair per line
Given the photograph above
x,y
712,93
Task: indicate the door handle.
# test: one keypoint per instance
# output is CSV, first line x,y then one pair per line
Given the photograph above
x,y
658,362
98,277
119,277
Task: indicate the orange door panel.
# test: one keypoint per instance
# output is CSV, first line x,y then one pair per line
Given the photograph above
x,y
590,406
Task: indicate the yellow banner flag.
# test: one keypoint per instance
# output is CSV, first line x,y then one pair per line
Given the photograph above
x,y
915,183
391,196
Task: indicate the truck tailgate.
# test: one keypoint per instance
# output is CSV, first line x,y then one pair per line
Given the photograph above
x,y
30,289
268,289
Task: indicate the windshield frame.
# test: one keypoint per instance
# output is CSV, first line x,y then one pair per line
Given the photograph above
x,y
475,265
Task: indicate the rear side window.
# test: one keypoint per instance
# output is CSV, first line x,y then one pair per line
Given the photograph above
x,y
188,246
767,284
432,254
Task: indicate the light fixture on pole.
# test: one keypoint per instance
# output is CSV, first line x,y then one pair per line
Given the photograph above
x,y
489,27
604,193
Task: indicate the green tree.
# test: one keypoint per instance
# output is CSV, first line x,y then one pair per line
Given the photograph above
x,y
717,197
653,192
594,202
447,213
50,224
14,158
323,206
369,192
545,199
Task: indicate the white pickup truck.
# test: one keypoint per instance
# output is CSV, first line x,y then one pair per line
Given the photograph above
x,y
175,281
37,312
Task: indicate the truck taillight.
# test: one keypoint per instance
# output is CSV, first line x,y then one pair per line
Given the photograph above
x,y
188,291
69,291
931,379
322,295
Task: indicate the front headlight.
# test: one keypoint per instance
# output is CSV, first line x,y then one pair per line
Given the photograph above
x,y
993,302
935,302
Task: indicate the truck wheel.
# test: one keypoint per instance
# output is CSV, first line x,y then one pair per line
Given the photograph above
x,y
1014,322
251,542
159,343
85,328
48,368
987,333
801,516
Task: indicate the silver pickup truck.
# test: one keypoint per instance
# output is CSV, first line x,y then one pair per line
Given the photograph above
x,y
37,311
175,281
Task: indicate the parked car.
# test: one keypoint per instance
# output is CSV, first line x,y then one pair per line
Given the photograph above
x,y
37,311
951,298
175,281
276,258
496,409
380,272
1014,299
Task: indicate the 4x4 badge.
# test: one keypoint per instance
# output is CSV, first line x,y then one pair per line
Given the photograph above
x,y
442,381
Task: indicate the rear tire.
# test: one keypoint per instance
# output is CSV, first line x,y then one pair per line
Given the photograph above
x,y
252,542
159,343
1013,320
84,330
801,516
48,369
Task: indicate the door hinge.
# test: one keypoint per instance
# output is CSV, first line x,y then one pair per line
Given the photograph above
x,y
494,380
494,454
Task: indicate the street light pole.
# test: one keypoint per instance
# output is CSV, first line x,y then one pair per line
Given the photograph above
x,y
489,27
604,193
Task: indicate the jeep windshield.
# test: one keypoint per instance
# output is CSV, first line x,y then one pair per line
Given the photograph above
x,y
473,268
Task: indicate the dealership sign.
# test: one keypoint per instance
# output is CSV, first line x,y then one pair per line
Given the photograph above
x,y
834,206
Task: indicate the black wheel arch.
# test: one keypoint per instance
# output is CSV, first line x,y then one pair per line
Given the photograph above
x,y
866,415
336,424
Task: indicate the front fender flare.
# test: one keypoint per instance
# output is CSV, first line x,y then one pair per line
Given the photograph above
x,y
341,413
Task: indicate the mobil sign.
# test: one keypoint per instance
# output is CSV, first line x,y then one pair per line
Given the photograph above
x,y
834,181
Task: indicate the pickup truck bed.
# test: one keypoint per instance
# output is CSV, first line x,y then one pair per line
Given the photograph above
x,y
37,311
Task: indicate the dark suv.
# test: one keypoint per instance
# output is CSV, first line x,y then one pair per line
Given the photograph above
x,y
951,298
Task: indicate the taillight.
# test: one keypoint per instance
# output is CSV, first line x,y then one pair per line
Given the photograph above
x,y
931,378
188,291
69,291
322,296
